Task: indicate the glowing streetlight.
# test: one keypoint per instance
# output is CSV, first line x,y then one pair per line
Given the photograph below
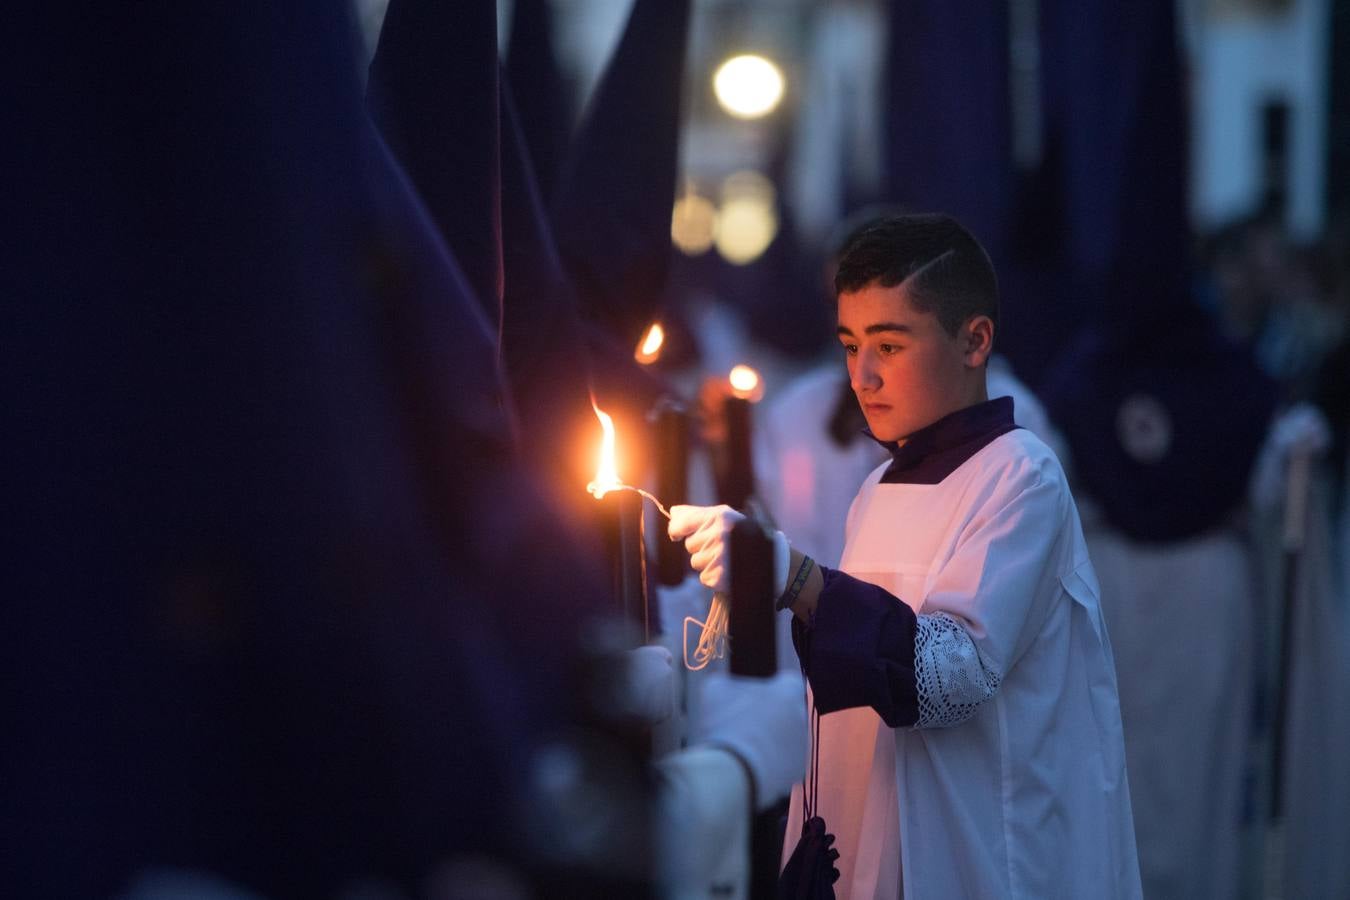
x,y
748,86
745,229
692,223
747,221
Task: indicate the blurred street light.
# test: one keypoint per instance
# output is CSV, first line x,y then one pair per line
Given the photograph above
x,y
748,86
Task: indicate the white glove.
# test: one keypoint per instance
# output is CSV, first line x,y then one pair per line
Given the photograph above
x,y
1302,430
646,689
762,721
702,827
706,532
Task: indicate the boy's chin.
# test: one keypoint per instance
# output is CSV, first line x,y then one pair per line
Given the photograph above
x,y
884,433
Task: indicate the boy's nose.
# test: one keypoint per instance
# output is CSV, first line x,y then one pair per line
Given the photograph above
x,y
865,377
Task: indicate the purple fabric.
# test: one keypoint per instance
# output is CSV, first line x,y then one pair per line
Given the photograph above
x,y
859,650
936,451
540,90
611,211
260,482
433,96
1209,396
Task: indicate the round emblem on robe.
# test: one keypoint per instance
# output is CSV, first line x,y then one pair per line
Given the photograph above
x,y
1144,428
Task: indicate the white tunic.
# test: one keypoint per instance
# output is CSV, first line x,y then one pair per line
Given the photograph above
x,y
1026,796
1186,704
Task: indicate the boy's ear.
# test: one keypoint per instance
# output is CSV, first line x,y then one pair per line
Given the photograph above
x,y
978,337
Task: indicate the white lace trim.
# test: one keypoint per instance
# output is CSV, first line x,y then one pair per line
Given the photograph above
x,y
951,679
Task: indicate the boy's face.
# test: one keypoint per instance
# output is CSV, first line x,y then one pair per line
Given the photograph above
x,y
905,369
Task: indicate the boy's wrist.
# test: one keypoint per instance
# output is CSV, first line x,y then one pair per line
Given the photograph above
x,y
801,565
804,591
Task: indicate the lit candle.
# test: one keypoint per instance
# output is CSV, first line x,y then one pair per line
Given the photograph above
x,y
622,527
649,348
738,468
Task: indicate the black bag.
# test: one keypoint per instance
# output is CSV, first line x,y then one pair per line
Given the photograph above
x,y
810,873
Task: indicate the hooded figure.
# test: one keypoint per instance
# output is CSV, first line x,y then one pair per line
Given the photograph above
x,y
537,84
1163,419
433,94
261,459
611,214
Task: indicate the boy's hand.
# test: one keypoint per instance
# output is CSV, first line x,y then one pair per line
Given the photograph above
x,y
705,531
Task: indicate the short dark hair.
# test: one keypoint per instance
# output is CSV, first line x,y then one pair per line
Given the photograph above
x,y
944,269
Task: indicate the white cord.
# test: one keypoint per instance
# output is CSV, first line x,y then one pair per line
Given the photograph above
x,y
712,643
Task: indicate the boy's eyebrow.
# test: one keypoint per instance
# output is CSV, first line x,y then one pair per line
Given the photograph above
x,y
876,328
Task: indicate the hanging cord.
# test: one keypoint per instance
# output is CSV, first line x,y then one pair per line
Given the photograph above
x,y
712,642
811,781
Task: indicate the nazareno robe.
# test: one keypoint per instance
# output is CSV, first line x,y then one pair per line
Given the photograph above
x,y
970,739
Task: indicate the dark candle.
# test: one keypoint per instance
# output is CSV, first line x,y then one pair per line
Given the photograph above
x,y
672,482
738,469
628,554
750,620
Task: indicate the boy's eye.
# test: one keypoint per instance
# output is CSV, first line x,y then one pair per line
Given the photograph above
x,y
851,349
888,349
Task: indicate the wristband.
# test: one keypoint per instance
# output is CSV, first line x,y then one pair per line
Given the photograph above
x,y
789,596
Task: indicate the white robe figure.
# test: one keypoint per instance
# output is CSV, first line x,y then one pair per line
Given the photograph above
x,y
1317,754
735,758
1186,703
1012,782
1187,706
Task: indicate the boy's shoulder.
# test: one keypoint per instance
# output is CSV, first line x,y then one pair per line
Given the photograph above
x,y
1012,464
1019,453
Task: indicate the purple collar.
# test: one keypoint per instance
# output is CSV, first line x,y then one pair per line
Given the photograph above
x,y
935,451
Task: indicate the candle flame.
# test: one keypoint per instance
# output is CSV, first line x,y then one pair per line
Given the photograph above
x,y
649,348
745,383
606,472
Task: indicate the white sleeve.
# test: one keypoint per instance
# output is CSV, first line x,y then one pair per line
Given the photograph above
x,y
989,600
702,823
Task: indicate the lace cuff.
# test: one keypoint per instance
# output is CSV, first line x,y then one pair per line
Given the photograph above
x,y
950,678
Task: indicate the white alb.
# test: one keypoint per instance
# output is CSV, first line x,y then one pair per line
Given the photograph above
x,y
1013,783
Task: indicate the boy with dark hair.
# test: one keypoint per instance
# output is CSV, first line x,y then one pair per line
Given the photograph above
x,y
970,744
945,270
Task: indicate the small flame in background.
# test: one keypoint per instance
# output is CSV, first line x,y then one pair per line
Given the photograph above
x,y
606,471
746,383
649,348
